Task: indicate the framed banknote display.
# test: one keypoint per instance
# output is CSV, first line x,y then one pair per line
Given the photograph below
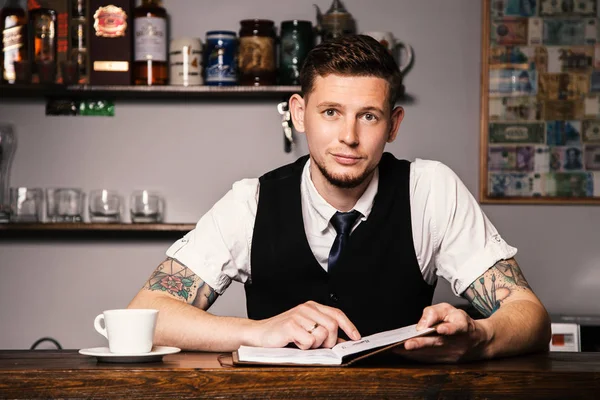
x,y
540,102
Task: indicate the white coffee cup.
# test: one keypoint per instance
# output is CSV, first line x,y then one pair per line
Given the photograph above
x,y
389,42
128,331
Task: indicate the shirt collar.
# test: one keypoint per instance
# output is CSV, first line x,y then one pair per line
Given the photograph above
x,y
324,211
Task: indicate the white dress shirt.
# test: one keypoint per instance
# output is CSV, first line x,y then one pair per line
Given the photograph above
x,y
452,236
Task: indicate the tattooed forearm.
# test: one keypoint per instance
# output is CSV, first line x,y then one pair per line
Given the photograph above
x,y
497,284
180,282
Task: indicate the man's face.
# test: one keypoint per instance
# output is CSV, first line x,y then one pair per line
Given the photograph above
x,y
348,121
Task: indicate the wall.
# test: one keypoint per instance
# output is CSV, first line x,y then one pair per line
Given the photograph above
x,y
193,152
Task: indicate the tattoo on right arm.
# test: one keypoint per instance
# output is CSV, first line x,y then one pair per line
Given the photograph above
x,y
180,282
495,286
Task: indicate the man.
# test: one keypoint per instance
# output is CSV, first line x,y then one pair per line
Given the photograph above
x,y
349,240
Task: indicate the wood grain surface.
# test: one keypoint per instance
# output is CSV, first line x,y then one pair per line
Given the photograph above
x,y
69,375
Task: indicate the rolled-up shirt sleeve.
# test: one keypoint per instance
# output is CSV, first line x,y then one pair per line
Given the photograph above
x,y
467,243
218,248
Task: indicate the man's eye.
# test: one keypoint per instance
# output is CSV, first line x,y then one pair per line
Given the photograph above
x,y
370,117
330,113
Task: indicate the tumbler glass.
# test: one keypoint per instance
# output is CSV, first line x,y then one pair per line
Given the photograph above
x,y
64,204
105,206
26,204
146,207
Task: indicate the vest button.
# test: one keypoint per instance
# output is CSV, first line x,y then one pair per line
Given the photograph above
x,y
333,297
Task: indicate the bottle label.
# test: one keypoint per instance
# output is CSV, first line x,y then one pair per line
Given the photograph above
x,y
110,22
150,39
12,40
256,54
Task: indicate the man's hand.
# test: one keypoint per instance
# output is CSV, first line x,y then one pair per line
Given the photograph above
x,y
309,326
458,338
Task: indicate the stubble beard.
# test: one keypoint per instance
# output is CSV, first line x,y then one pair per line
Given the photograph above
x,y
344,181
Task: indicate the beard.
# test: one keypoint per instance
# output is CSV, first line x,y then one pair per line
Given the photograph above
x,y
344,181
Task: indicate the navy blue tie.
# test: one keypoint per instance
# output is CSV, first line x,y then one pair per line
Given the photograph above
x,y
342,222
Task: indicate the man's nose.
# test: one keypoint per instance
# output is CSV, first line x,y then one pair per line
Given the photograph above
x,y
349,134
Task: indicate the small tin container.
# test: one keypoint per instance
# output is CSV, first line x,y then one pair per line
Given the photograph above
x,y
185,62
221,58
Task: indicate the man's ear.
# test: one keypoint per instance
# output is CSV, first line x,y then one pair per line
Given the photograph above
x,y
297,109
395,120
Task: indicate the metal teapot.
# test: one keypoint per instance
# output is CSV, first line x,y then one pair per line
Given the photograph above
x,y
336,22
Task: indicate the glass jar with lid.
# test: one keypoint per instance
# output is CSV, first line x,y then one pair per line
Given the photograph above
x,y
256,59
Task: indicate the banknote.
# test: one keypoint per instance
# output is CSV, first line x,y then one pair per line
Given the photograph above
x,y
562,109
514,108
570,59
507,82
525,160
534,31
594,177
563,133
569,184
563,86
592,107
516,132
570,31
595,81
541,161
591,130
561,8
502,158
565,159
518,57
592,157
509,31
513,8
514,185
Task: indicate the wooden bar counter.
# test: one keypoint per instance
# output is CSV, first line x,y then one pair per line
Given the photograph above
x,y
66,374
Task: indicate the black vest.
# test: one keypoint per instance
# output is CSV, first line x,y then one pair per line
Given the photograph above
x,y
378,283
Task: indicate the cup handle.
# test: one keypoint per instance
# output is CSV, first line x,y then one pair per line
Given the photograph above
x,y
99,327
409,56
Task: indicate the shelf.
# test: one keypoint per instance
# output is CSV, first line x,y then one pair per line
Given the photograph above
x,y
147,92
59,231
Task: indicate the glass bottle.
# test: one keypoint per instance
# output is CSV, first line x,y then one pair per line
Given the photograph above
x,y
79,39
150,44
13,25
8,145
256,60
297,40
43,26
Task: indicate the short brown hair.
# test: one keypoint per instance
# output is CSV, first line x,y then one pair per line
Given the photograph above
x,y
351,55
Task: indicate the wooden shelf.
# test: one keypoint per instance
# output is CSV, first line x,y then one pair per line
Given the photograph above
x,y
59,231
147,92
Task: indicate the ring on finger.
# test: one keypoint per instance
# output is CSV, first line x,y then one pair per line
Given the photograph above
x,y
312,329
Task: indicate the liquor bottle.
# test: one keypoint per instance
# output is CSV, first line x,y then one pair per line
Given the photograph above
x,y
150,44
110,44
13,25
61,35
79,39
43,42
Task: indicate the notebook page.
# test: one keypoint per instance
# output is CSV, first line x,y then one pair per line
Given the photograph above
x,y
379,340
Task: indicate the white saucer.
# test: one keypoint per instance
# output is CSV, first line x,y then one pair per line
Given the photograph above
x,y
103,354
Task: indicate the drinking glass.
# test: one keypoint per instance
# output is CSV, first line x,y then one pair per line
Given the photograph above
x,y
26,204
146,207
65,204
105,206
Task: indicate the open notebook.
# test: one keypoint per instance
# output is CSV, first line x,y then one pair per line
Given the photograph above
x,y
341,354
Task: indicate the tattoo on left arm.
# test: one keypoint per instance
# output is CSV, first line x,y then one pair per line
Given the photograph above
x,y
496,285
